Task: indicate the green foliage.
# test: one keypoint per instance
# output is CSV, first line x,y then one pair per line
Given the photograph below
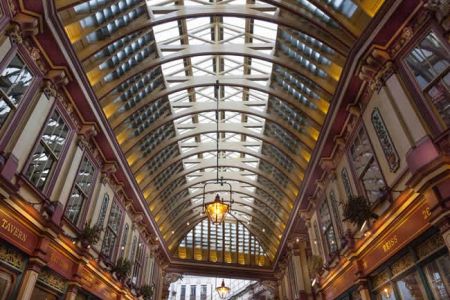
x,y
315,264
90,235
122,268
357,210
146,291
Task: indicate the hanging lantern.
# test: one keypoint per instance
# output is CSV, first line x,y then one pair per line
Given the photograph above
x,y
216,210
222,290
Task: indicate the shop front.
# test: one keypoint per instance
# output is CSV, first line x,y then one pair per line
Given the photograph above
x,y
420,270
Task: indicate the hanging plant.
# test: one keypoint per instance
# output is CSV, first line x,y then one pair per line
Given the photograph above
x,y
357,210
89,235
146,291
315,265
122,268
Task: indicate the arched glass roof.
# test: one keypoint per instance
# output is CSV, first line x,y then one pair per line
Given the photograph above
x,y
153,65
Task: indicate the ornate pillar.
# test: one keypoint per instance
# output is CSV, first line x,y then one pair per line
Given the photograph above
x,y
29,279
72,291
363,289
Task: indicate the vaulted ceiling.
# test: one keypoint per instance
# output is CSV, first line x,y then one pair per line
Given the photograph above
x,y
153,66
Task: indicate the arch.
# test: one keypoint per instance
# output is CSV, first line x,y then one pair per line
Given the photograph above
x,y
316,116
233,177
181,230
307,141
138,162
187,215
309,27
150,63
231,163
240,191
224,146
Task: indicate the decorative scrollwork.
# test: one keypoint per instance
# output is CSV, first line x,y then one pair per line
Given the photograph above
x,y
385,140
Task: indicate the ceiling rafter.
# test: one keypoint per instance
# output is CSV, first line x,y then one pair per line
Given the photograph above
x,y
238,147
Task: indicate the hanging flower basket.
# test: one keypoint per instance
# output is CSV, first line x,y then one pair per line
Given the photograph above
x,y
122,268
146,291
89,235
315,265
357,210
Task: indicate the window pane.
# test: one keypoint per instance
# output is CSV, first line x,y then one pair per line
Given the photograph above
x,y
428,59
438,275
439,95
110,238
366,167
80,190
410,287
47,152
15,79
39,168
103,209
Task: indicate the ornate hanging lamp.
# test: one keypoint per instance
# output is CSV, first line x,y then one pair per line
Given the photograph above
x,y
217,209
223,290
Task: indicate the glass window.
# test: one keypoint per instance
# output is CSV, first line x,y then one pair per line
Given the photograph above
x,y
385,293
48,151
327,228
133,249
203,292
80,191
138,264
410,287
429,61
366,166
438,276
183,292
112,230
103,209
193,290
14,82
6,281
124,240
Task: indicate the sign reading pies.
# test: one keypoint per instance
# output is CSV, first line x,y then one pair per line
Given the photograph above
x,y
16,233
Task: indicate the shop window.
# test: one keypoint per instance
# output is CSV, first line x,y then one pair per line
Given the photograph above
x,y
420,271
6,282
366,167
112,230
15,80
124,241
327,228
429,61
48,151
409,287
80,191
103,209
438,276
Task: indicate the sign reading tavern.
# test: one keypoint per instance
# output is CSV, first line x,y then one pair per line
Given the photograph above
x,y
15,232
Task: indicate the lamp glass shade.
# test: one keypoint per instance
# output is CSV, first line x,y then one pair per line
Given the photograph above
x,y
216,210
222,290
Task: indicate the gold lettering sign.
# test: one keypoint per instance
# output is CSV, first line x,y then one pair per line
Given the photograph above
x,y
390,243
13,230
426,213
